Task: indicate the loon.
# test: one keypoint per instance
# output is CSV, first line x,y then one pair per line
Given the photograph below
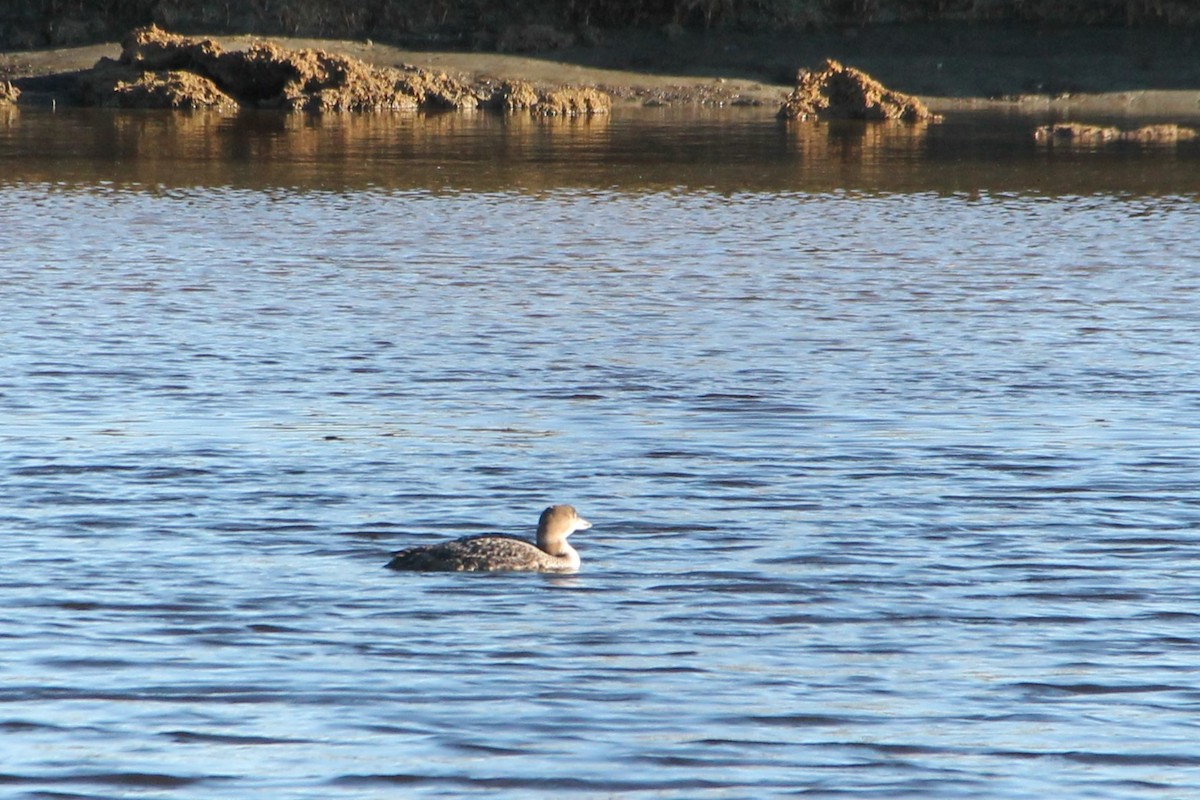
x,y
500,553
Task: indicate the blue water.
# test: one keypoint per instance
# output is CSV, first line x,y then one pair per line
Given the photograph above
x,y
891,456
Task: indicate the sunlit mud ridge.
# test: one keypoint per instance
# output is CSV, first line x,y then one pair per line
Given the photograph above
x,y
157,69
1074,134
834,91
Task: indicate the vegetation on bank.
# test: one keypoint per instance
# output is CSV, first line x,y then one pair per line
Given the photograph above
x,y
486,24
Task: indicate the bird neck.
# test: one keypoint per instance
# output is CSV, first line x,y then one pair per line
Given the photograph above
x,y
557,546
567,554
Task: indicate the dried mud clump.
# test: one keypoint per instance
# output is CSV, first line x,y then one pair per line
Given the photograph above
x,y
435,90
173,89
269,76
8,93
111,84
835,91
1160,134
158,69
152,49
514,96
262,75
1074,134
517,96
569,102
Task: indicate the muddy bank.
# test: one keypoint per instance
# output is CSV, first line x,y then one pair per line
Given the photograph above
x,y
834,91
1093,75
48,76
158,69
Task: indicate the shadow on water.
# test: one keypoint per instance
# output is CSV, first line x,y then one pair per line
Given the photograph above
x,y
731,151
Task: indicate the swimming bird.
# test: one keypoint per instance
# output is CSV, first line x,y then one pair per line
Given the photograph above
x,y
501,553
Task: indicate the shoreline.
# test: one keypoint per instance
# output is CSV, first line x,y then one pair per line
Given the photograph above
x,y
691,74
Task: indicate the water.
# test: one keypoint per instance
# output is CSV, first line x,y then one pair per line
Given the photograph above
x,y
889,439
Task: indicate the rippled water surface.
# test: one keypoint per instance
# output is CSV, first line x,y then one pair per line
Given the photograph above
x,y
890,439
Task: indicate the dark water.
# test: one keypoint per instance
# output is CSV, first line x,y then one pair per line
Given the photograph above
x,y
890,439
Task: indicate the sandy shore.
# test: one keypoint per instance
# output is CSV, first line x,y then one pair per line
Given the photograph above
x,y
1083,77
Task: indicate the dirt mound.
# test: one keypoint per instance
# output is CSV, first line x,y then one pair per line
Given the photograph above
x,y
111,84
158,69
170,89
268,76
838,92
438,90
514,96
1159,134
8,93
152,49
1074,134
573,102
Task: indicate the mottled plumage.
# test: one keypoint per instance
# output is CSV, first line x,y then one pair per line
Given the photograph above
x,y
497,552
